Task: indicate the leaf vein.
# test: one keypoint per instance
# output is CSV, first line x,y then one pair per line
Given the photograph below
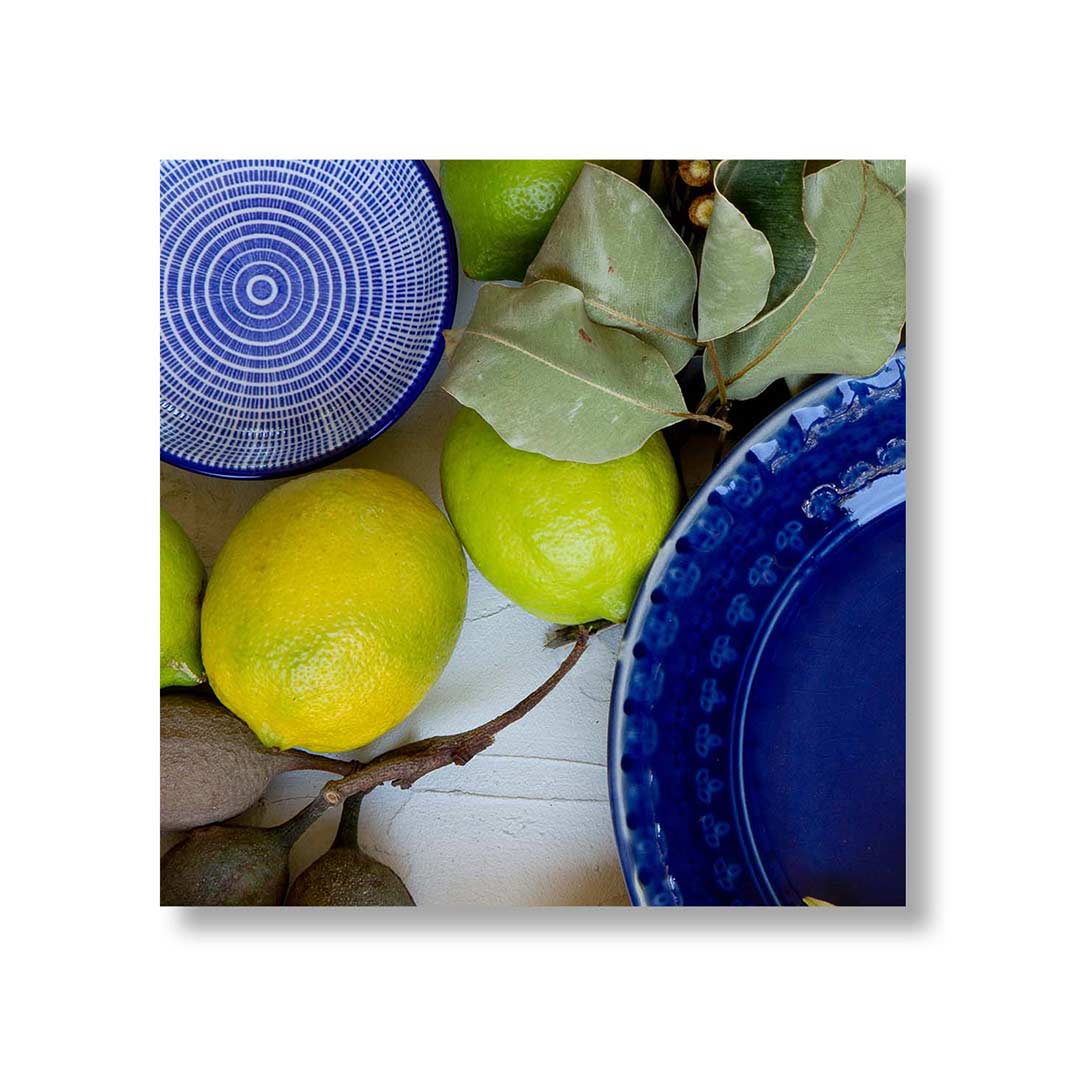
x,y
816,295
615,313
569,373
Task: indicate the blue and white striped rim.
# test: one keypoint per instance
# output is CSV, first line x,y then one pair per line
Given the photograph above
x,y
302,304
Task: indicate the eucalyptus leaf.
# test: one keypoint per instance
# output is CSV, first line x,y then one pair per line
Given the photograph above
x,y
659,183
611,240
769,193
892,172
629,169
847,315
737,269
549,379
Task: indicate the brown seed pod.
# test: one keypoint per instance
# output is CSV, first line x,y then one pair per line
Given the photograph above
x,y
696,172
229,865
169,840
213,767
700,210
344,876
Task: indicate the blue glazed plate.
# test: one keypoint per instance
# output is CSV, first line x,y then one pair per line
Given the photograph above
x,y
302,304
757,730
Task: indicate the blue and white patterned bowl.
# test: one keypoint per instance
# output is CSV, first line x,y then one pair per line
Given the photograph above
x,y
302,304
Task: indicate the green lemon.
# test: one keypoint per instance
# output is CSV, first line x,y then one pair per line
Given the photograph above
x,y
181,576
332,609
568,541
502,210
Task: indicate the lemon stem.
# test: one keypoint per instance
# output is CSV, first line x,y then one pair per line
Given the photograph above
x,y
564,635
294,758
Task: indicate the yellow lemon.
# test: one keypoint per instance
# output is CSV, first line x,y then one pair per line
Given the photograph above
x,y
332,609
568,541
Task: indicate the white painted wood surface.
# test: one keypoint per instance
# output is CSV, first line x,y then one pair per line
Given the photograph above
x,y
526,823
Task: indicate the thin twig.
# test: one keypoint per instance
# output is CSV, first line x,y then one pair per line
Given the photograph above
x,y
720,393
719,377
723,432
697,417
406,764
719,447
706,401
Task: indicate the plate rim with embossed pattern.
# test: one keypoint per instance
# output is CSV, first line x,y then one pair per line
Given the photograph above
x,y
635,833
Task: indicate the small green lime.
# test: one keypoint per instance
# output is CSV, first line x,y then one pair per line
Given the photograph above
x,y
568,541
181,577
502,210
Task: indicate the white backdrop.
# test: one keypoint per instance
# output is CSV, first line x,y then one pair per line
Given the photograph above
x,y
96,94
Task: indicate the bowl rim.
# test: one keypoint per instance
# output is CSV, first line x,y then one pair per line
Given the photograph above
x,y
811,397
413,391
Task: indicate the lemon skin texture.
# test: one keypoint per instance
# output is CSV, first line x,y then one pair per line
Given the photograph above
x,y
181,577
567,541
502,210
332,609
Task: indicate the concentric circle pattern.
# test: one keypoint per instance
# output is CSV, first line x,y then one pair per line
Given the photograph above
x,y
302,304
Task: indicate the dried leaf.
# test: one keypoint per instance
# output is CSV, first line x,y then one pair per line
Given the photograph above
x,y
736,272
847,315
892,172
550,379
659,184
628,168
611,240
769,192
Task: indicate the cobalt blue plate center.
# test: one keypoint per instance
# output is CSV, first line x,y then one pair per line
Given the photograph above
x,y
302,307
757,740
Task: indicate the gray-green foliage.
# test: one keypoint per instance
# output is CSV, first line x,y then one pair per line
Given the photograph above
x,y
737,270
590,247
797,276
892,172
769,192
549,379
846,316
758,248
